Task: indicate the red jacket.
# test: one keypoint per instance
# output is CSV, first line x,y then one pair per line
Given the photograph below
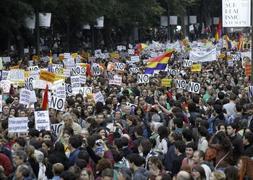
x,y
6,163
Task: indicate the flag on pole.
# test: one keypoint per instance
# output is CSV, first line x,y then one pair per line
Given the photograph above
x,y
45,99
218,31
158,63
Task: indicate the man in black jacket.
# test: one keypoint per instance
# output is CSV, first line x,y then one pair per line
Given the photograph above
x,y
236,141
248,144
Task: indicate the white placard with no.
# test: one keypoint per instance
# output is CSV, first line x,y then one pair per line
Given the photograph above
x,y
142,78
57,103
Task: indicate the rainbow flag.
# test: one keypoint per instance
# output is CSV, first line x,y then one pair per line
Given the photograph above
x,y
158,63
218,31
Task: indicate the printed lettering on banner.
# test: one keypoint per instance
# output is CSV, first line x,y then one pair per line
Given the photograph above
x,y
135,59
16,75
67,55
131,51
173,72
42,121
75,81
134,70
5,85
117,80
56,128
18,125
24,96
57,103
95,69
142,78
187,63
1,103
98,97
120,66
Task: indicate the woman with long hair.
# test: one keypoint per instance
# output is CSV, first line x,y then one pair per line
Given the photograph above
x,y
245,168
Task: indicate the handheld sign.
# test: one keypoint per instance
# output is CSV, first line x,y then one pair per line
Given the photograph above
x,y
117,80
42,120
56,128
196,68
18,125
120,66
24,96
57,103
98,97
187,63
142,78
166,82
95,69
190,87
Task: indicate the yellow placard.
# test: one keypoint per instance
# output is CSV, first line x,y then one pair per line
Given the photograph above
x,y
47,76
196,68
74,55
114,55
35,58
166,82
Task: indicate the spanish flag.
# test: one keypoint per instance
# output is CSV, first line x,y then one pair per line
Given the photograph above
x,y
158,63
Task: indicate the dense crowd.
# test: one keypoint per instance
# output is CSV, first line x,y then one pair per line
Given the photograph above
x,y
142,131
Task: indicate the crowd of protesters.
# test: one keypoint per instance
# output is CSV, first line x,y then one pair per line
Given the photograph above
x,y
142,131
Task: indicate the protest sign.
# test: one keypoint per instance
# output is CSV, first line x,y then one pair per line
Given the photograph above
x,y
18,125
5,85
95,69
29,83
6,59
57,103
75,81
82,79
131,51
79,69
173,72
24,96
56,128
134,70
42,121
86,91
142,78
59,90
187,63
4,75
166,82
33,68
99,97
117,80
120,66
68,89
134,59
190,87
16,75
196,68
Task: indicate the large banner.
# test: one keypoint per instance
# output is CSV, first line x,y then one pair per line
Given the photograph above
x,y
203,56
236,13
